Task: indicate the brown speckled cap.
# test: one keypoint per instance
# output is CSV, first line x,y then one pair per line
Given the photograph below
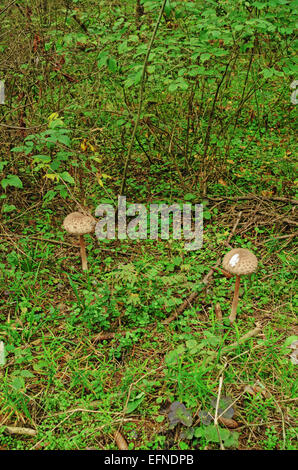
x,y
79,224
240,261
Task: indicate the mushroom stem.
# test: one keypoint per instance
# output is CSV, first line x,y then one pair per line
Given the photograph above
x,y
233,314
83,253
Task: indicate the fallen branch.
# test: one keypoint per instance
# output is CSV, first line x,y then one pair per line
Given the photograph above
x,y
20,431
56,242
253,196
106,336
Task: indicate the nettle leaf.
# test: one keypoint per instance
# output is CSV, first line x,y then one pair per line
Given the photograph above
x,y
290,340
211,434
229,438
3,164
41,158
8,208
173,356
67,177
189,197
11,180
211,339
267,73
18,383
187,433
194,347
232,439
178,413
64,139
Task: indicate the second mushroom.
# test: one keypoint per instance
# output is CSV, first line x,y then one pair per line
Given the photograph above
x,y
80,224
239,261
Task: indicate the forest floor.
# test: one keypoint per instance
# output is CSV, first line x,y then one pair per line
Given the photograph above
x,y
141,344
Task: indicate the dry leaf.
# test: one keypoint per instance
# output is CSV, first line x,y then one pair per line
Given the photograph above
x,y
120,441
257,388
229,423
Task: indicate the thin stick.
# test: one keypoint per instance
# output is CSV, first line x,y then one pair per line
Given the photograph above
x,y
216,412
253,196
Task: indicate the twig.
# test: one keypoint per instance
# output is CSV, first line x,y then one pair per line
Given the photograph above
x,y
253,196
109,335
216,412
7,6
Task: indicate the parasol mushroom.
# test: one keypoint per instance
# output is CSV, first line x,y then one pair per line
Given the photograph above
x,y
239,261
80,224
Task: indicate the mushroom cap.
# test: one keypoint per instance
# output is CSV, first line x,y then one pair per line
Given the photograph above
x,y
240,261
79,224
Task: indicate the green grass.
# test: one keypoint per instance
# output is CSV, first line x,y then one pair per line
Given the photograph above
x,y
51,315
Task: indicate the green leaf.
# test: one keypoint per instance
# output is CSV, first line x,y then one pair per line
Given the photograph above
x,y
67,177
211,434
173,356
231,440
132,405
18,383
112,64
2,165
11,180
64,139
205,57
267,73
173,87
290,340
189,196
26,374
41,158
8,208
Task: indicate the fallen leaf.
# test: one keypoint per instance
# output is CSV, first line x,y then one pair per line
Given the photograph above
x,y
229,423
120,441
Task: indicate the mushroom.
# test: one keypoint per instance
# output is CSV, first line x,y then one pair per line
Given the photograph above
x,y
239,261
80,224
